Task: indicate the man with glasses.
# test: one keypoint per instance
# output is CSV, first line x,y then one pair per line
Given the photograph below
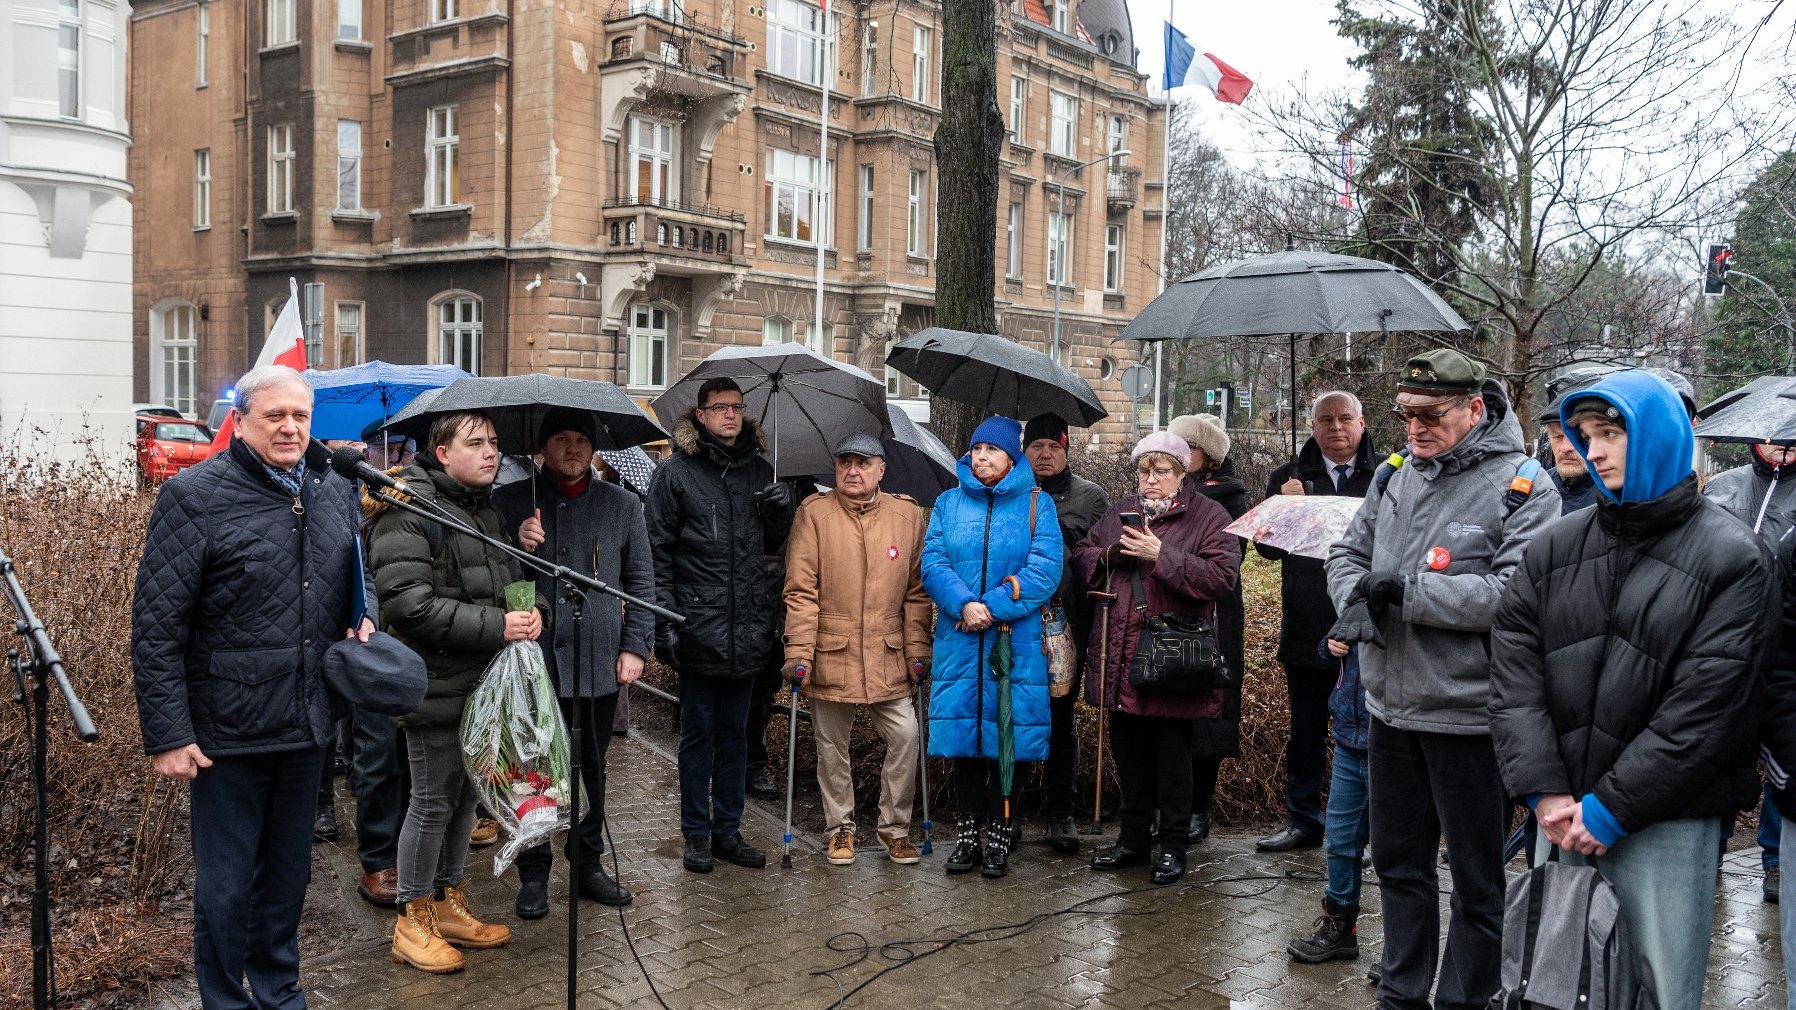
x,y
1416,579
715,515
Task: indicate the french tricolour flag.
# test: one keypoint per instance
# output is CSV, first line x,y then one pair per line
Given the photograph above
x,y
286,345
1229,84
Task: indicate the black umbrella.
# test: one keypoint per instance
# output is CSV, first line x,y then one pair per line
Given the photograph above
x,y
1289,293
996,374
1763,410
917,463
517,403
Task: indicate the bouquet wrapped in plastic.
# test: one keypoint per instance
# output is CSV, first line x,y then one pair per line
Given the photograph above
x,y
514,744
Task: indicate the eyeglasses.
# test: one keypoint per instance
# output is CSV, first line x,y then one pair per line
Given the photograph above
x,y
1429,418
719,409
1154,472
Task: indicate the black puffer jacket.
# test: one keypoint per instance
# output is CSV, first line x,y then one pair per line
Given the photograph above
x,y
710,543
1303,582
238,596
1078,504
1626,658
442,593
1221,737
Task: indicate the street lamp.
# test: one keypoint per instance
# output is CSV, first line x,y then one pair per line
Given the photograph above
x,y
1060,264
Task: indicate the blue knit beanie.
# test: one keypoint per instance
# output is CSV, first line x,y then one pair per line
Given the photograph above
x,y
1002,432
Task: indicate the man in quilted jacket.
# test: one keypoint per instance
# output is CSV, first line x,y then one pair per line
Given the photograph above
x,y
249,572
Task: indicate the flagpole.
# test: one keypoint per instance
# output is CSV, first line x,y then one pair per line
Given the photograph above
x,y
1165,218
825,70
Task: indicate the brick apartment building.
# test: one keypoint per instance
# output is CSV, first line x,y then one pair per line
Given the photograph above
x,y
613,189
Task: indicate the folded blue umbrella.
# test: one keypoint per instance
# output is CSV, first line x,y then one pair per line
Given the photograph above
x,y
345,401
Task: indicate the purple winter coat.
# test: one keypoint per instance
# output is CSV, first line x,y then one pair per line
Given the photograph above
x,y
1198,562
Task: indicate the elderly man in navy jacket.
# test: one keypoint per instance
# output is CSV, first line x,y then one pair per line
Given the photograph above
x,y
249,572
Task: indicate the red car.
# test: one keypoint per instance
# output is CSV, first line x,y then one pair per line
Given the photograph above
x,y
167,445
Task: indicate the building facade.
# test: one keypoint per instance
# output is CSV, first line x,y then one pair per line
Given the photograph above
x,y
613,189
65,228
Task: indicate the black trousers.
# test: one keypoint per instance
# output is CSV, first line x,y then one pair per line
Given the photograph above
x,y
595,739
764,698
979,788
1306,749
1060,777
1153,760
381,778
1424,785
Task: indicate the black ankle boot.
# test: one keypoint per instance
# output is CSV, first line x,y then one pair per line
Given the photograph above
x,y
1169,868
1336,936
995,861
966,848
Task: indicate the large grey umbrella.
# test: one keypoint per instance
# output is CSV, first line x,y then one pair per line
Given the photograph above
x,y
917,463
805,403
996,374
1763,410
517,404
1289,293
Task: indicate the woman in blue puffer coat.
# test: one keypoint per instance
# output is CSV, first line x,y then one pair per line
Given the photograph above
x,y
991,558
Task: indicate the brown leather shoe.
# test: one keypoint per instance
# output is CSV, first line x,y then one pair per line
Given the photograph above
x,y
900,849
381,887
416,942
485,833
458,925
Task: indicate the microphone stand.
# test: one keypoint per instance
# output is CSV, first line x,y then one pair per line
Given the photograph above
x,y
43,665
576,597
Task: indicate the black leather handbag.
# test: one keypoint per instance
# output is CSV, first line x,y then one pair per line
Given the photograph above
x,y
1177,653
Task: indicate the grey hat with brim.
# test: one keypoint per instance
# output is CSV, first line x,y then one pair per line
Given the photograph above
x,y
860,445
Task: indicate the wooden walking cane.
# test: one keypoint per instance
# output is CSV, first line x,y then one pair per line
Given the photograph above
x,y
1105,600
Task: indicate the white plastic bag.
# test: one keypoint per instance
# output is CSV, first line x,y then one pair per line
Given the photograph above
x,y
515,748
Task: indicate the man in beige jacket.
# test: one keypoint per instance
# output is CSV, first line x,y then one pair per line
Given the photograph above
x,y
857,623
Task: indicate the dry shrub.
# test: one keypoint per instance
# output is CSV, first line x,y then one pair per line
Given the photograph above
x,y
74,531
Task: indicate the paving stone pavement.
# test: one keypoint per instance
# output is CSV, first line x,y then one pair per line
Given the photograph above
x,y
739,939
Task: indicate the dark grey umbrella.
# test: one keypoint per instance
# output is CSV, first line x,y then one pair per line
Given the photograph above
x,y
1763,410
517,403
1289,293
996,374
917,463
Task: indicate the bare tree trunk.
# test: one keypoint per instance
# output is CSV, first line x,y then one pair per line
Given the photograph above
x,y
966,157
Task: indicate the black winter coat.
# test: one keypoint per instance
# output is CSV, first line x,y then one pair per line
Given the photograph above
x,y
1078,504
441,592
600,534
240,590
710,543
1221,737
1303,582
1626,659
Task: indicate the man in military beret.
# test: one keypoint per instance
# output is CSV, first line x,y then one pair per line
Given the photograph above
x,y
858,633
1416,580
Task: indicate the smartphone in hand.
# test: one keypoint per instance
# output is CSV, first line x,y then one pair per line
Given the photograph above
x,y
1132,520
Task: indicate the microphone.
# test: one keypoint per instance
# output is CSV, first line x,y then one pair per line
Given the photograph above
x,y
348,462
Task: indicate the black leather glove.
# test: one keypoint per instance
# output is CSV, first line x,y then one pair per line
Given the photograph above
x,y
776,496
667,639
1357,624
1384,588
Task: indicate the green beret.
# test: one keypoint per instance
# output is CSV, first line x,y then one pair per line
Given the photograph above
x,y
1440,372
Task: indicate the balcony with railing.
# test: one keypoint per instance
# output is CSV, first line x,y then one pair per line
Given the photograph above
x,y
688,57
686,238
1120,188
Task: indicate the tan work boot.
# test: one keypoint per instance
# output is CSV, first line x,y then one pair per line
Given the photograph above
x,y
458,925
417,943
901,850
841,847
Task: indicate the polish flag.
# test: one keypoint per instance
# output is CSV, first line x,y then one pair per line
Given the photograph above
x,y
286,345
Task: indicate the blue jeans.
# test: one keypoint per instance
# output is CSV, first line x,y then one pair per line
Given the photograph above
x,y
1347,826
251,821
380,777
713,753
1664,877
1771,828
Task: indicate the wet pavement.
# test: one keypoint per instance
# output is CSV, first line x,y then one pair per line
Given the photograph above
x,y
1052,934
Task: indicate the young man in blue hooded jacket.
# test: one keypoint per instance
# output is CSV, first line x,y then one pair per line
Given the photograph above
x,y
1625,686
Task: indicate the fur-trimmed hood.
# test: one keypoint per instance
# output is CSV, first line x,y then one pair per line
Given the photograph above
x,y
685,437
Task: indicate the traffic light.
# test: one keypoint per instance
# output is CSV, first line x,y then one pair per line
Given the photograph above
x,y
1714,275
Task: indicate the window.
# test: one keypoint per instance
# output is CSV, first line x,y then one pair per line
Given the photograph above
x,y
442,10
794,191
442,181
68,60
349,165
922,48
1058,226
349,19
1066,116
1119,133
1019,93
1059,13
917,217
824,345
794,32
648,347
864,233
894,378
651,160
1113,257
283,23
349,334
775,330
202,187
203,49
869,58
280,169
1013,232
458,333
175,356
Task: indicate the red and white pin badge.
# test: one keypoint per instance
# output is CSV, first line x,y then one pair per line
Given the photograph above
x,y
1438,558
892,552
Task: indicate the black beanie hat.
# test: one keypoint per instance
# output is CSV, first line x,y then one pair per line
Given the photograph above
x,y
1049,426
560,419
